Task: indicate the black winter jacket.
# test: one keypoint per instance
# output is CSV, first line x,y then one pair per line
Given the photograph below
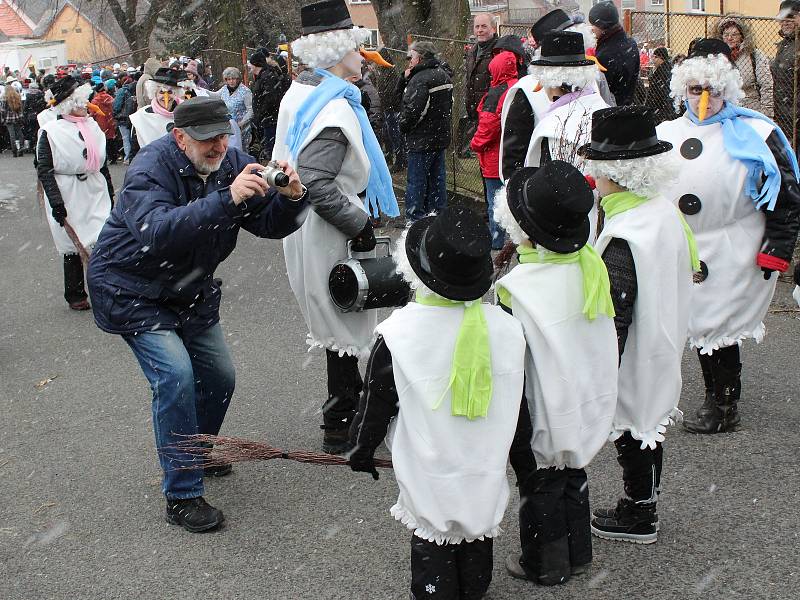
x,y
619,54
478,79
784,77
268,90
427,107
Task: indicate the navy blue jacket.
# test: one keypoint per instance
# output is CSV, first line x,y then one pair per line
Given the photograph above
x,y
153,265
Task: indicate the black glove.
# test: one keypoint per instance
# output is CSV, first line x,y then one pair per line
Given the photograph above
x,y
365,240
60,213
364,462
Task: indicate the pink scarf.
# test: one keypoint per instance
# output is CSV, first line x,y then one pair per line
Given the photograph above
x,y
160,110
92,151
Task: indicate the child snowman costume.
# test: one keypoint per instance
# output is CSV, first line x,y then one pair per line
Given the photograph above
x,y
324,133
447,371
650,254
71,166
151,122
745,229
560,293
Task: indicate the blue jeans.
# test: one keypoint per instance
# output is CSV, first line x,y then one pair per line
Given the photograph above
x,y
125,133
192,379
491,186
426,188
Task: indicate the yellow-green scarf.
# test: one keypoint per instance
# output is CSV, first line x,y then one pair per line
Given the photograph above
x,y
614,204
471,374
596,287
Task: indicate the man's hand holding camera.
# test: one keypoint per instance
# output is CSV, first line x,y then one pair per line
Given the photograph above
x,y
250,183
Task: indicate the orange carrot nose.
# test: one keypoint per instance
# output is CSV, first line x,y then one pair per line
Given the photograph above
x,y
375,57
702,108
538,87
593,58
93,108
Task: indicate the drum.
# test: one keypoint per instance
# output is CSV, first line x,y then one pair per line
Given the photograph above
x,y
358,284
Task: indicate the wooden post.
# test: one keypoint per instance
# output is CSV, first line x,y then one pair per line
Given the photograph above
x,y
289,59
627,21
666,26
409,41
722,7
245,70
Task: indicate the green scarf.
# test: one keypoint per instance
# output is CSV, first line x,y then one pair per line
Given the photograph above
x,y
614,204
596,287
471,374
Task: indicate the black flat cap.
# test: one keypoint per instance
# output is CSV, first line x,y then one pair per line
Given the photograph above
x,y
169,76
203,118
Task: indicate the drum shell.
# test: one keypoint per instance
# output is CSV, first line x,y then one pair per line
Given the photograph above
x,y
368,283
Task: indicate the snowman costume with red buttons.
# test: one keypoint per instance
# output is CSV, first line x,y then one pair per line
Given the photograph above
x,y
739,192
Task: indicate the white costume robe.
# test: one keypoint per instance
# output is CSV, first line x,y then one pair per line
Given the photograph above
x,y
313,250
650,369
451,471
85,194
149,125
730,304
570,364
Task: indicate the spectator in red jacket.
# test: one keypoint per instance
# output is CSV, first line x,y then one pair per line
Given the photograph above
x,y
486,141
104,100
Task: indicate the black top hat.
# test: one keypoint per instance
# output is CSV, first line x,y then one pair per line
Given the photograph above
x,y
451,253
555,20
623,132
169,76
563,49
326,15
63,88
552,204
709,46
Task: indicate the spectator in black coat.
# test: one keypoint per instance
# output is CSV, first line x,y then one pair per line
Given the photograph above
x,y
270,83
477,78
617,52
658,97
390,88
425,119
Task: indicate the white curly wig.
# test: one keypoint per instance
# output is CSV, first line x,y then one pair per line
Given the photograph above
x,y
589,38
715,70
506,220
323,50
79,98
643,176
154,87
576,78
404,267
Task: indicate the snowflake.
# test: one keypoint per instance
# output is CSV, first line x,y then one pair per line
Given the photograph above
x,y
430,588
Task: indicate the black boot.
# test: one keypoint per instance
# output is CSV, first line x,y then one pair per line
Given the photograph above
x,y
193,514
629,522
724,416
707,366
344,386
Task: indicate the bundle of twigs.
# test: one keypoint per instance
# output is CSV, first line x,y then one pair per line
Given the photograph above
x,y
502,262
216,450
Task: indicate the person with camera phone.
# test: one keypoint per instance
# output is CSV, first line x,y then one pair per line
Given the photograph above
x,y
324,131
151,279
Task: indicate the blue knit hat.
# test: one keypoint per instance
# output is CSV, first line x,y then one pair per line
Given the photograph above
x,y
111,84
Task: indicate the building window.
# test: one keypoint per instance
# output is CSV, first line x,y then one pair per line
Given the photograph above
x,y
699,5
359,1
657,2
628,3
373,39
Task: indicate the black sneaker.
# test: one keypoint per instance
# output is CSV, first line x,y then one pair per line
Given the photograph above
x,y
611,513
336,441
630,522
218,470
193,514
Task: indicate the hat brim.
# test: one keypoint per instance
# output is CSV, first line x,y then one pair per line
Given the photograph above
x,y
589,153
571,63
568,240
201,133
414,238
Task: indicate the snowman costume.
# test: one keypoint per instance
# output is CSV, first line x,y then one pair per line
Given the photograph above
x,y
527,102
650,253
452,410
323,133
561,294
744,230
151,122
71,166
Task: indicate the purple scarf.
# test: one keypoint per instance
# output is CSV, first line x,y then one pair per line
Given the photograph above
x,y
567,98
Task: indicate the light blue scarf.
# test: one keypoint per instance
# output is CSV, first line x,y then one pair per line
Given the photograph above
x,y
743,143
380,192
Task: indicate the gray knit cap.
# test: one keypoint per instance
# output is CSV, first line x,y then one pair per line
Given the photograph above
x,y
604,15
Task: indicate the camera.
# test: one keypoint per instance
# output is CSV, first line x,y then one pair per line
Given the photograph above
x,y
274,175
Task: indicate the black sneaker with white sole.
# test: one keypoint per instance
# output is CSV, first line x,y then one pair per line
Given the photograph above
x,y
629,522
611,513
193,514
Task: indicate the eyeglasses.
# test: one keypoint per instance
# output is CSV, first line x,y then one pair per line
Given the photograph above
x,y
697,90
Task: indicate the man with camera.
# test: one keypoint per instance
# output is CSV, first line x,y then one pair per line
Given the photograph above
x,y
151,279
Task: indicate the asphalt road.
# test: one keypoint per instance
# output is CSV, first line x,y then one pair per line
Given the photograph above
x,y
81,514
